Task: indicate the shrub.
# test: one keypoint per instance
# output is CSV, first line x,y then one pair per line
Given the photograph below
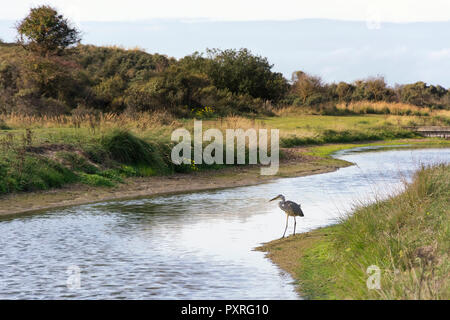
x,y
128,149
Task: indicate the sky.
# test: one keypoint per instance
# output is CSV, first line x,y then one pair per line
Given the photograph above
x,y
242,10
402,40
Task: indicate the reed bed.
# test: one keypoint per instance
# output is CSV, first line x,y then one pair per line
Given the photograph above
x,y
95,121
394,108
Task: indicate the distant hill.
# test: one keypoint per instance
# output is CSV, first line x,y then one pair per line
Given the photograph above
x,y
112,79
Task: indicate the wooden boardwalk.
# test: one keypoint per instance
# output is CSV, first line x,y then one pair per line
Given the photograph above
x,y
432,131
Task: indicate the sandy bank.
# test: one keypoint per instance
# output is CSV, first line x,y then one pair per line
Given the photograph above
x,y
296,164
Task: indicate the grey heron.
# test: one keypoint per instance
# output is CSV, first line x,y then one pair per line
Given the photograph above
x,y
290,208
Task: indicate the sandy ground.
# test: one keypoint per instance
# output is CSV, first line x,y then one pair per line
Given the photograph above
x,y
295,164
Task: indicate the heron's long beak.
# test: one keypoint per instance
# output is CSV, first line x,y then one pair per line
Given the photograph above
x,y
274,198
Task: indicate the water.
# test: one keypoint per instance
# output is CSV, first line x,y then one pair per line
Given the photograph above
x,y
187,246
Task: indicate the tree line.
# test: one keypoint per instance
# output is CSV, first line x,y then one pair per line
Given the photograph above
x,y
48,71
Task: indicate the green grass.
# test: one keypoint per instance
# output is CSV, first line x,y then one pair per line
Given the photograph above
x,y
345,136
325,151
96,180
318,268
115,154
30,173
317,122
298,130
67,155
77,163
306,129
407,236
52,158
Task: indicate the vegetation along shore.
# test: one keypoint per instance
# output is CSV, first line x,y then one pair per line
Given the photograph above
x,y
406,236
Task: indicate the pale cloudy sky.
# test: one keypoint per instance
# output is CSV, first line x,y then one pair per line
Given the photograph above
x,y
241,10
403,40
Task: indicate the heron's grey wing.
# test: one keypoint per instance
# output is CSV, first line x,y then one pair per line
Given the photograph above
x,y
294,208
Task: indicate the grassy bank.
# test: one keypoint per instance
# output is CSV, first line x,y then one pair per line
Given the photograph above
x,y
41,153
103,150
407,236
310,129
97,160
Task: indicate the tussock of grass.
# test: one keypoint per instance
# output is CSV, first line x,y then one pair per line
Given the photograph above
x,y
126,148
407,236
28,173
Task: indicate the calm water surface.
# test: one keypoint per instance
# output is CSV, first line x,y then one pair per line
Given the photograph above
x,y
189,246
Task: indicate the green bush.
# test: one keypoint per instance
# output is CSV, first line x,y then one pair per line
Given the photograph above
x,y
231,81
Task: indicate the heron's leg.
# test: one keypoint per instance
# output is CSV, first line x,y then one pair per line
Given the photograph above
x,y
295,223
287,220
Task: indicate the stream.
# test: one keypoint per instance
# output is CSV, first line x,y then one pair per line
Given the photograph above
x,y
188,246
